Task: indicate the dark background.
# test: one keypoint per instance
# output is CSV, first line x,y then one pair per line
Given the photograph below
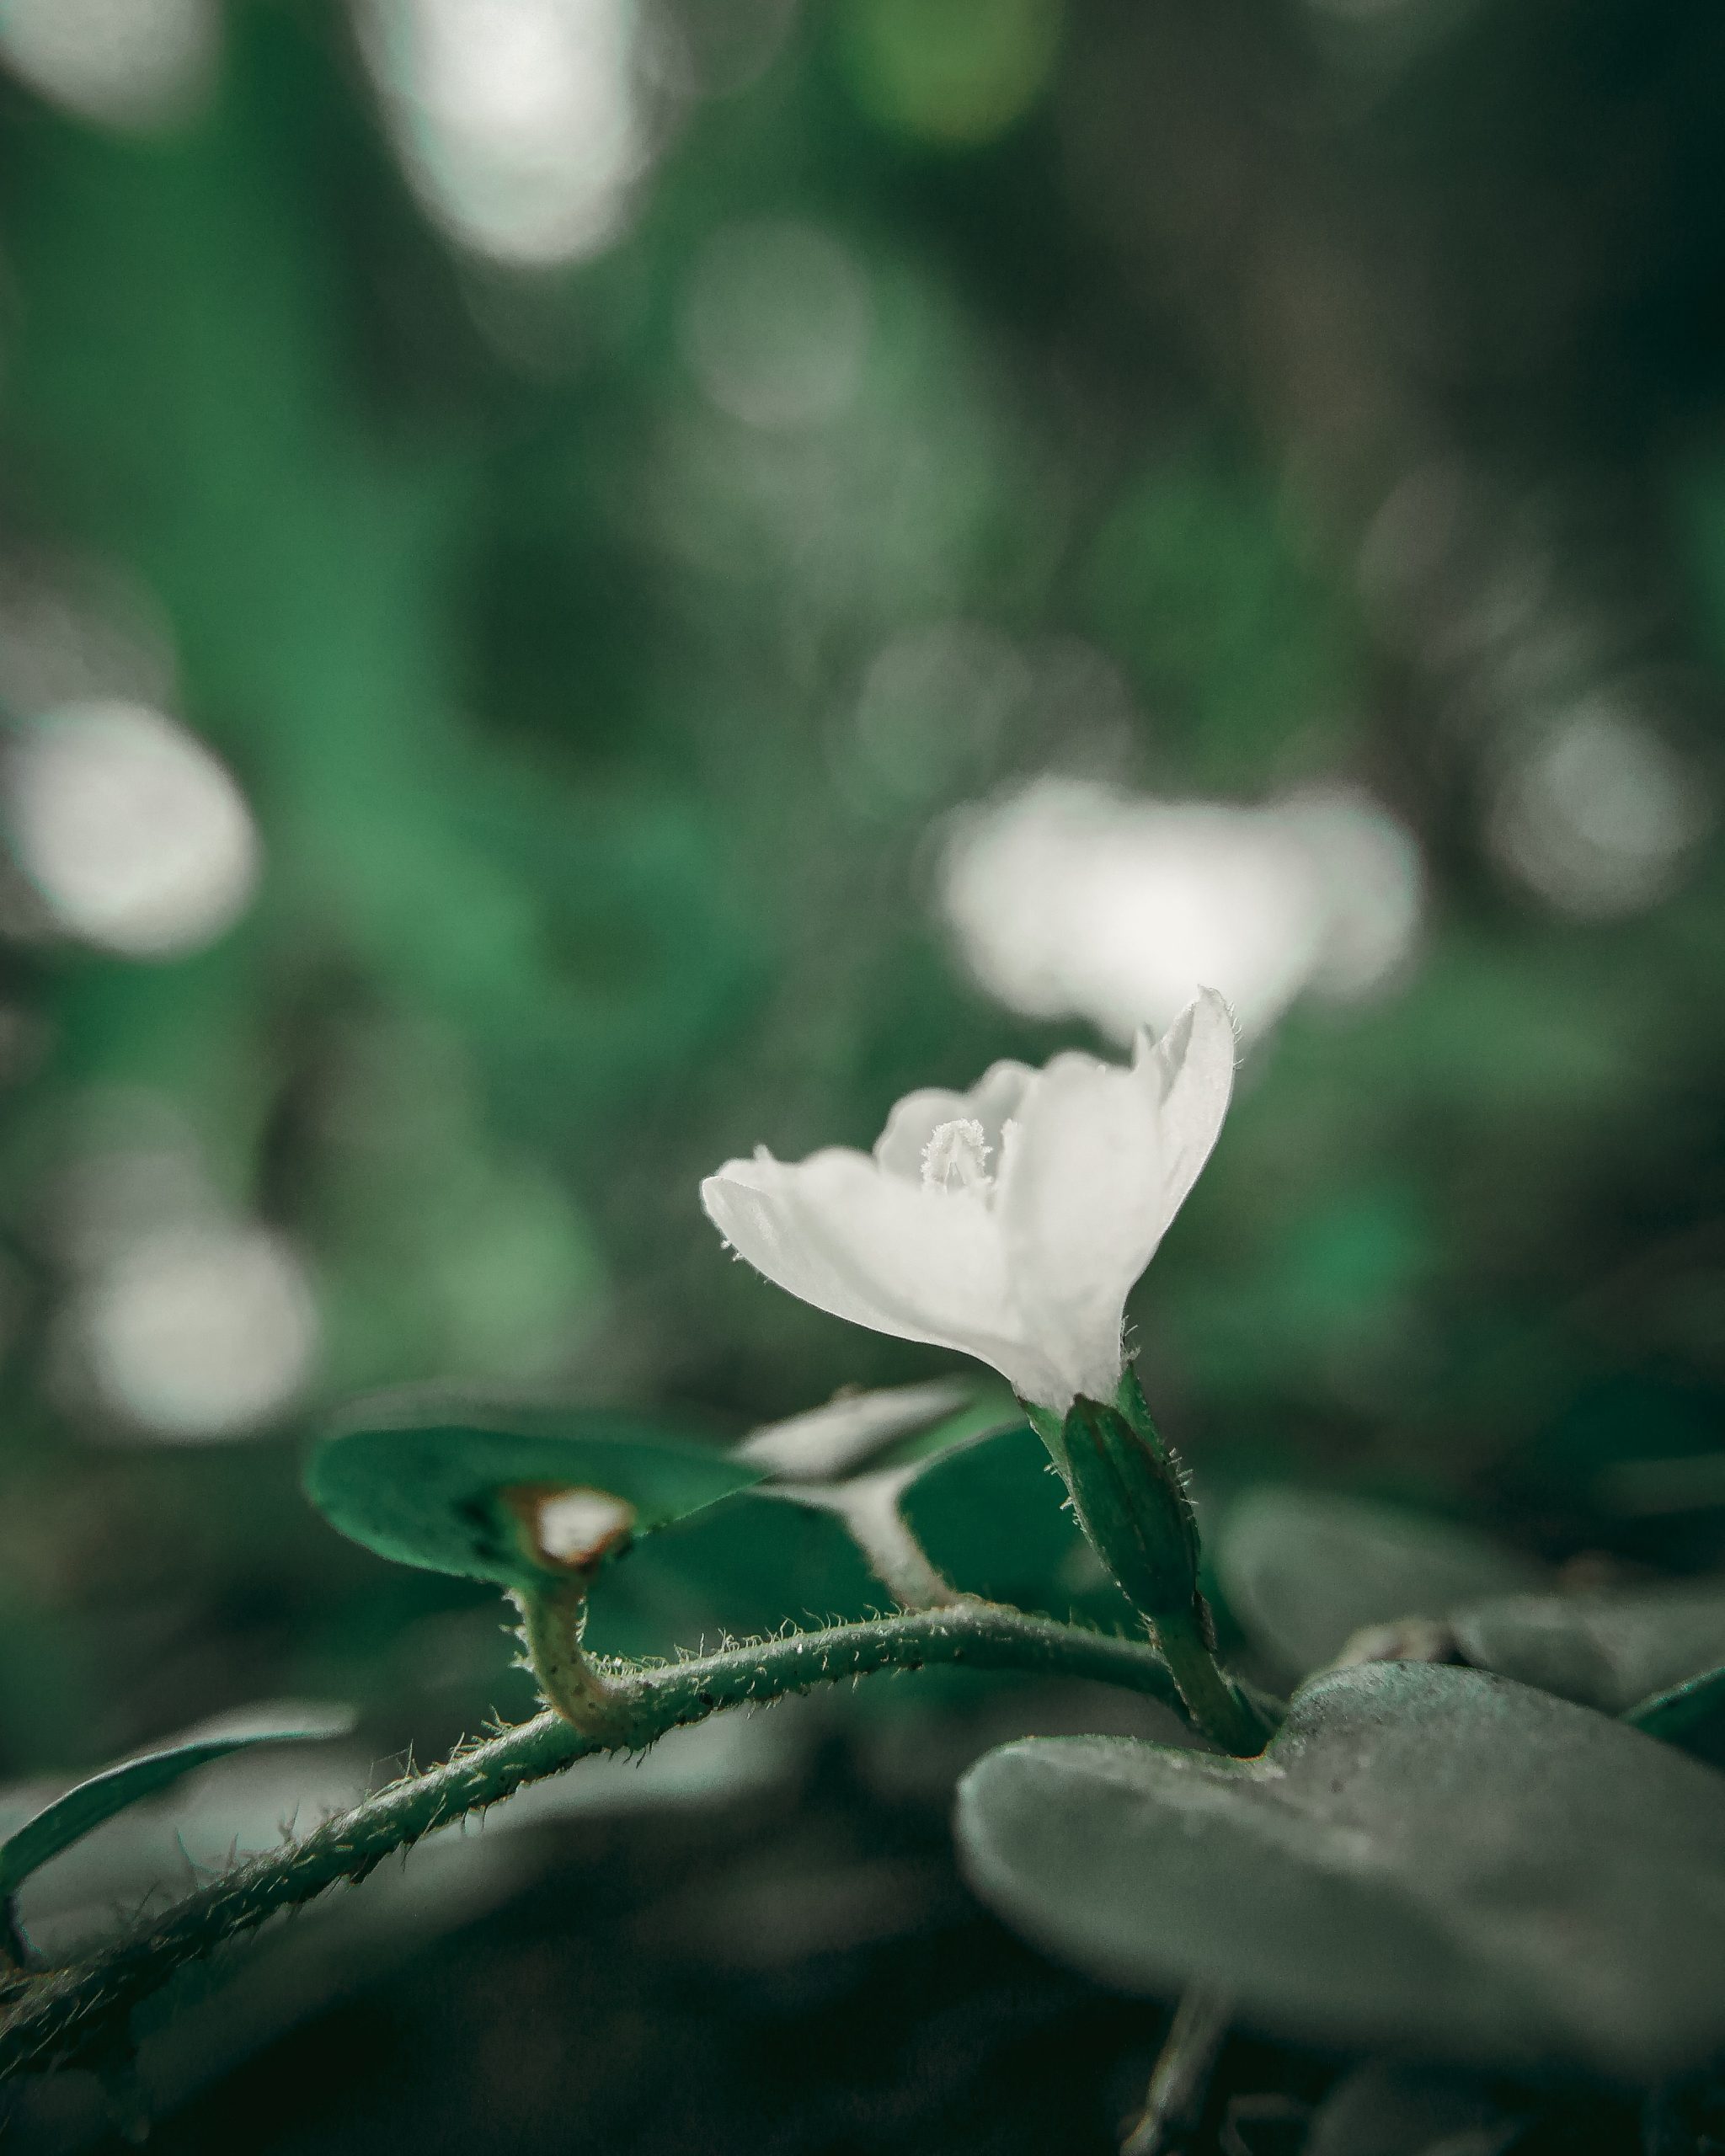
x,y
626,494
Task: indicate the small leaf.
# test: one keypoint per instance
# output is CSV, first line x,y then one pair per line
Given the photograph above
x,y
992,1516
1689,1716
512,1494
1303,1573
1425,1855
1609,1649
86,1807
869,1429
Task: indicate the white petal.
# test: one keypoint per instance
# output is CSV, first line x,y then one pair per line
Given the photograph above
x,y
1189,1076
992,1101
1029,1271
873,1247
1082,1206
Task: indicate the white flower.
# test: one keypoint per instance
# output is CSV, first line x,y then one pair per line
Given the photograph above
x,y
1009,1222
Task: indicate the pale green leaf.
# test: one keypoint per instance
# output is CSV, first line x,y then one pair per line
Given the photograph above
x,y
1303,1573
88,1804
1425,1855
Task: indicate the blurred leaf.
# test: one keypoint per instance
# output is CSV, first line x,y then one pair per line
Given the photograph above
x,y
957,71
854,1431
457,1485
87,1806
1690,1715
1609,1650
1303,1573
1198,588
1394,2107
992,1516
1424,1855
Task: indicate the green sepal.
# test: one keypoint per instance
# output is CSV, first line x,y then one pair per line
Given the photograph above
x,y
455,1485
89,1804
1131,1501
1050,1428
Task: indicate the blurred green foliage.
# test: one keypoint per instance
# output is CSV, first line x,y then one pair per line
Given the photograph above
x,y
1211,401
539,673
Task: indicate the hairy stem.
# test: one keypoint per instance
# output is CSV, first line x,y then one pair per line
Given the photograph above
x,y
570,1683
60,2016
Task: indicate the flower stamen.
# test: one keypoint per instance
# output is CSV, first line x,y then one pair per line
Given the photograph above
x,y
956,1157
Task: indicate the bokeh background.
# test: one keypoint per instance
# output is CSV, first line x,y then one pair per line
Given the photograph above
x,y
587,583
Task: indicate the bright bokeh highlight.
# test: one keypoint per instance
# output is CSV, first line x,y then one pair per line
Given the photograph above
x,y
1072,899
776,325
125,63
516,120
1597,812
198,1331
133,834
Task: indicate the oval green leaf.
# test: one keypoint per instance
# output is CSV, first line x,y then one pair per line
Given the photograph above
x,y
1425,1855
512,1494
1609,1649
87,1806
1303,1573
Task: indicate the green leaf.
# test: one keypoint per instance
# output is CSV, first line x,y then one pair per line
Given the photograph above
x,y
1303,1573
1424,1855
1609,1649
85,1807
992,1515
737,1570
1689,1716
512,1494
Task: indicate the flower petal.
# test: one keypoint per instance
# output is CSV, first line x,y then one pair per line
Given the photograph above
x,y
1189,1075
871,1247
1080,1204
992,1101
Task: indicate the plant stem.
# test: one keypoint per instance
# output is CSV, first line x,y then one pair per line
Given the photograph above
x,y
62,2015
1182,2072
1212,1703
571,1685
868,1505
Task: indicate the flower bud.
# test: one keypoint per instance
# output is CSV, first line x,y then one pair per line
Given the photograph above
x,y
1131,1501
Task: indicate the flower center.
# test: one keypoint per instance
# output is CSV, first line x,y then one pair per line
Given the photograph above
x,y
956,1157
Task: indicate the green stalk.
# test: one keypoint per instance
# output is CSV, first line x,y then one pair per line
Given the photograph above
x,y
77,2012
1129,1491
572,1685
1177,2090
1209,1696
